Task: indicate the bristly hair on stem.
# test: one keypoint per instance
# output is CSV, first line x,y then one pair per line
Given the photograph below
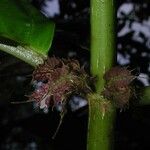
x,y
118,86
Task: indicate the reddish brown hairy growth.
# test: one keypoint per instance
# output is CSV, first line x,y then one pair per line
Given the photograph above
x,y
56,79
118,85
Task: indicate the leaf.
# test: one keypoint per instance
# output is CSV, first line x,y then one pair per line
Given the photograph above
x,y
21,24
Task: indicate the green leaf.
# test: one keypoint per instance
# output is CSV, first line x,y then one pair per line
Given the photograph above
x,y
21,24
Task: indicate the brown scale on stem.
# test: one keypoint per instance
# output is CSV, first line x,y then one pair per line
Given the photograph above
x,y
118,86
59,78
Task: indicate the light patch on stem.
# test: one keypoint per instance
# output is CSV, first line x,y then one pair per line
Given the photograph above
x,y
29,56
100,102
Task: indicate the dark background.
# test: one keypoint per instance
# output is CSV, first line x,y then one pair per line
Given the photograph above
x,y
25,127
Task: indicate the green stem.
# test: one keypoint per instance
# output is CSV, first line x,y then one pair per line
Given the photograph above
x,y
101,118
102,38
145,96
29,56
102,58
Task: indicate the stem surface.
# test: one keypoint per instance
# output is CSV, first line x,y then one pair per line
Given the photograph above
x,y
29,56
102,38
145,96
100,125
101,118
